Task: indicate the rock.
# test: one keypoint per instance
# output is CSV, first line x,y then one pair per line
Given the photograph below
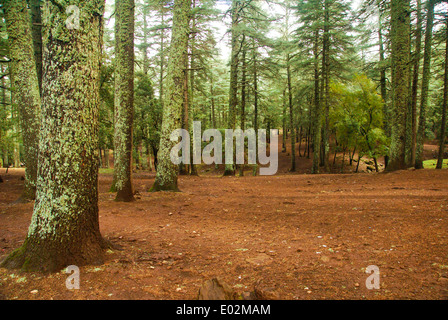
x,y
325,259
248,296
263,292
260,259
215,289
443,279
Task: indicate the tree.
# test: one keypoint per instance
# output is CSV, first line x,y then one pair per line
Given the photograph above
x,y
166,177
425,84
233,89
124,99
64,228
358,116
400,42
444,103
25,86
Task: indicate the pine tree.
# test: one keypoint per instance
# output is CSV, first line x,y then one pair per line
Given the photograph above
x,y
124,99
64,228
166,177
425,84
400,42
25,86
444,102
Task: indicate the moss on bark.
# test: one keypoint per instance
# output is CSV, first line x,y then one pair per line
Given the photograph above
x,y
25,86
124,99
400,41
64,226
167,172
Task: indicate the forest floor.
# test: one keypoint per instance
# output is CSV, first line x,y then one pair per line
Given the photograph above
x,y
297,236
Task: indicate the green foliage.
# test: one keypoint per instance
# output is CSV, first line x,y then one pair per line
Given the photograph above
x,y
147,113
356,116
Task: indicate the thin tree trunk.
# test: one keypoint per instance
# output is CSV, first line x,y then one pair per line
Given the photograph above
x,y
284,122
166,176
193,169
25,87
317,112
230,168
326,87
383,89
418,42
425,84
291,116
444,105
243,98
36,19
124,99
400,40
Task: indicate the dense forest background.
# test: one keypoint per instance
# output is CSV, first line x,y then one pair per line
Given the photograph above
x,y
91,91
321,71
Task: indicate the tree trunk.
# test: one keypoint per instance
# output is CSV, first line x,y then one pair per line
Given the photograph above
x,y
317,112
166,176
425,84
193,169
418,42
233,102
243,97
64,228
284,122
383,89
124,99
291,116
444,105
400,41
326,87
25,85
36,29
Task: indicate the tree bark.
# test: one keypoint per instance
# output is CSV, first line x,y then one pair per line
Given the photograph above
x,y
444,105
291,115
233,89
25,85
124,99
418,42
400,41
166,176
36,29
317,111
64,228
425,84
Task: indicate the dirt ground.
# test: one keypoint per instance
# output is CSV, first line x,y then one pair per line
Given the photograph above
x,y
300,236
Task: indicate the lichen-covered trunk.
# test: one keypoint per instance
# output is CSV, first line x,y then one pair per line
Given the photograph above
x,y
233,99
191,91
64,227
326,88
400,41
383,88
166,176
124,99
444,103
36,19
25,86
425,84
317,109
416,66
243,97
291,115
